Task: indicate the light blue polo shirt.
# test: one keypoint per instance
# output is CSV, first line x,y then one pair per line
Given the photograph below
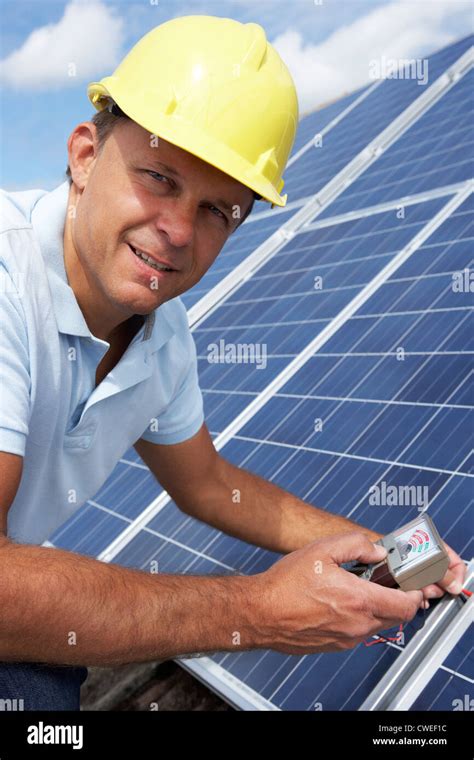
x,y
71,434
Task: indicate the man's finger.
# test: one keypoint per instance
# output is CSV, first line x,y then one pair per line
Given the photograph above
x,y
433,591
357,546
452,581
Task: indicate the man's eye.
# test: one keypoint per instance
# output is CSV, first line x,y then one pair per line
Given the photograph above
x,y
219,212
159,177
157,174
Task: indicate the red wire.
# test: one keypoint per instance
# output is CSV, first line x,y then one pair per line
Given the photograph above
x,y
382,639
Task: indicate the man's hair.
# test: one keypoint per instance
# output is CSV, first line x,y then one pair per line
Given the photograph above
x,y
105,122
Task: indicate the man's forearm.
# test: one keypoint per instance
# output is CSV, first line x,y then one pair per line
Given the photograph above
x,y
61,607
253,509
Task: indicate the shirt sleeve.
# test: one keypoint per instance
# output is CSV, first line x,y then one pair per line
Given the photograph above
x,y
184,415
15,381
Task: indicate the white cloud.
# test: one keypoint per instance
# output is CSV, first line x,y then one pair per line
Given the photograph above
x,y
341,63
84,43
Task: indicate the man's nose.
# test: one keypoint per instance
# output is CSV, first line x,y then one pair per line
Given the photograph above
x,y
177,219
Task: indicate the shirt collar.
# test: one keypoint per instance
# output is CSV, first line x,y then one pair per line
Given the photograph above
x,y
48,219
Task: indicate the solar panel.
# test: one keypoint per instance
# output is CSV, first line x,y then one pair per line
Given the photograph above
x,y
181,544
335,467
352,134
437,150
332,353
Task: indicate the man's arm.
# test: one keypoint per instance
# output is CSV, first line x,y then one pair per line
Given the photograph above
x,y
61,607
241,504
204,485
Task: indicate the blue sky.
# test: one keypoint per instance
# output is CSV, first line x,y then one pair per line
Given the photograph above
x,y
327,45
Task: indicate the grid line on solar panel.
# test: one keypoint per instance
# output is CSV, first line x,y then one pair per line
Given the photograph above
x,y
384,231
365,379
291,332
291,294
398,203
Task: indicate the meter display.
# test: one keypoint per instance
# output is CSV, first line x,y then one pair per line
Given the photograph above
x,y
416,557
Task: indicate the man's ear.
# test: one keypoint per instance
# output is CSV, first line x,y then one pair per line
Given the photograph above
x,y
83,149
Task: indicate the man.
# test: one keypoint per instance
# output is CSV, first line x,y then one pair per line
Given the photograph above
x,y
96,354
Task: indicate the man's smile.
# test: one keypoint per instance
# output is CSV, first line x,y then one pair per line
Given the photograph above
x,y
147,264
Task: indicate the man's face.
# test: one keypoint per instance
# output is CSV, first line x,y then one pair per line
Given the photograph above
x,y
128,202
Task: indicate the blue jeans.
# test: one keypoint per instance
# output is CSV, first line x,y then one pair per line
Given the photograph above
x,y
34,686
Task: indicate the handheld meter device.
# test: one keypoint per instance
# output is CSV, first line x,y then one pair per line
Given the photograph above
x,y
416,557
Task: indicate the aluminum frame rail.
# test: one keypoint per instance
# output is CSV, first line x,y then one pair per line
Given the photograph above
x,y
424,654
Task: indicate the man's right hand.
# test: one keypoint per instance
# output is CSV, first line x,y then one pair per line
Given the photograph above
x,y
312,605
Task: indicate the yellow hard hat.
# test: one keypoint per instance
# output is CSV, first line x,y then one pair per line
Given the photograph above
x,y
216,88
